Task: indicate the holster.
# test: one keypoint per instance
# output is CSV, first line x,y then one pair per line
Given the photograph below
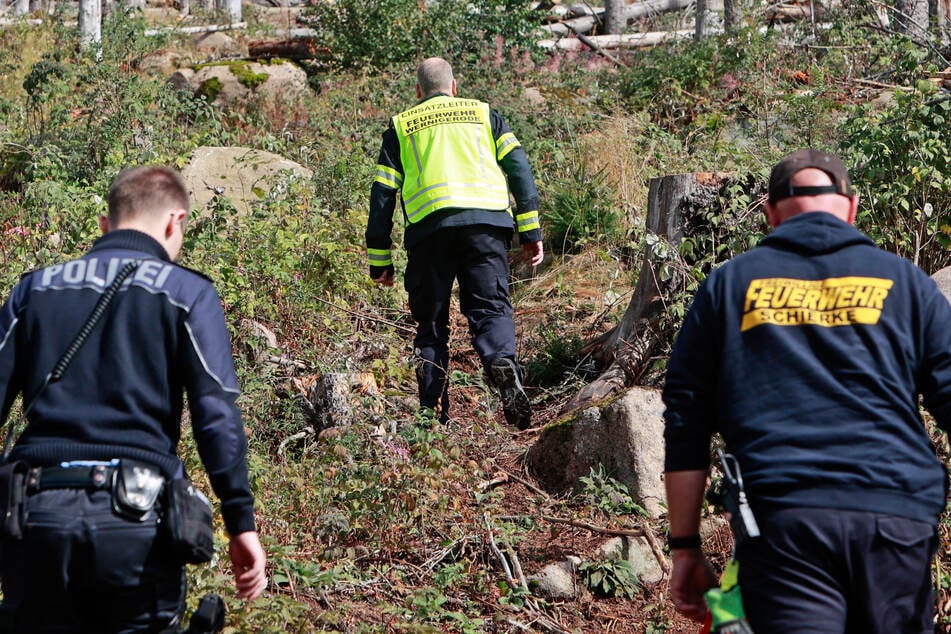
x,y
12,499
135,489
188,519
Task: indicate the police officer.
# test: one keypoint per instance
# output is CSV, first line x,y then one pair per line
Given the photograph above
x,y
81,566
454,162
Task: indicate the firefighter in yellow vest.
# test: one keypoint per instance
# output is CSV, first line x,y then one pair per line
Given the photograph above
x,y
454,163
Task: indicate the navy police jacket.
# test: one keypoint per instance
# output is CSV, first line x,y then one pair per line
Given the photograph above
x,y
808,354
122,396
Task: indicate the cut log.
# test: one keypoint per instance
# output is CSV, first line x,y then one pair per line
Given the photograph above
x,y
288,48
210,28
628,349
609,42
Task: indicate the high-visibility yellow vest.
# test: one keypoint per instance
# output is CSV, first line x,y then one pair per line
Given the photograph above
x,y
450,158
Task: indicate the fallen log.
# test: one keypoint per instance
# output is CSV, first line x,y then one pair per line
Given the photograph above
x,y
586,23
210,28
624,40
288,48
652,38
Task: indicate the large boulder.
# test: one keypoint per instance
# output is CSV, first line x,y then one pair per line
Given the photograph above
x,y
240,174
943,279
626,436
234,80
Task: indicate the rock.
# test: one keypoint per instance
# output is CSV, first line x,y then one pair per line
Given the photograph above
x,y
242,175
337,399
162,62
637,552
216,44
626,437
534,96
229,81
943,279
556,581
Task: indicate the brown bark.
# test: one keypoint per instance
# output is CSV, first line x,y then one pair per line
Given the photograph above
x,y
628,349
289,48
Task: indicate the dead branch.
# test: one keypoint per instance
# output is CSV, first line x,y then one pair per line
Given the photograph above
x,y
379,320
617,532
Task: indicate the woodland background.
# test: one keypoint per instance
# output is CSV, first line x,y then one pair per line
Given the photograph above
x,y
387,524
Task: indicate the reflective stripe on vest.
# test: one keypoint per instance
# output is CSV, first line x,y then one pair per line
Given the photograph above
x,y
450,158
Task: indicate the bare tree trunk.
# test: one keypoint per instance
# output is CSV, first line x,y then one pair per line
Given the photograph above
x,y
911,18
700,19
730,15
20,7
628,349
709,18
231,9
90,24
614,18
940,13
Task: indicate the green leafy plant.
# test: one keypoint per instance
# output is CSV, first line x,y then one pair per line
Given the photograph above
x,y
609,578
581,211
903,172
608,494
558,357
383,33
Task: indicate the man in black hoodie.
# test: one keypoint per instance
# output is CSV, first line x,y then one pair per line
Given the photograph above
x,y
808,355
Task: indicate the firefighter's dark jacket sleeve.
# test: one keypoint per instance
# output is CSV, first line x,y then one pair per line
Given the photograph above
x,y
163,336
513,162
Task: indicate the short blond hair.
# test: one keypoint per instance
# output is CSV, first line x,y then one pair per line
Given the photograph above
x,y
434,75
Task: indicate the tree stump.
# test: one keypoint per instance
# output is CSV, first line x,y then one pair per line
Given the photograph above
x,y
626,349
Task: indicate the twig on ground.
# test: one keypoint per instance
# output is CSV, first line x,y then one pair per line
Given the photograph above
x,y
368,317
528,485
441,555
619,532
640,531
498,553
308,431
587,41
657,550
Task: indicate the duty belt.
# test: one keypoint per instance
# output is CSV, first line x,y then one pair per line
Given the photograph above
x,y
79,477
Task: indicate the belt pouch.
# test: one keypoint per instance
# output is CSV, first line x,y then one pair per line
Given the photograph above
x,y
136,487
188,517
12,499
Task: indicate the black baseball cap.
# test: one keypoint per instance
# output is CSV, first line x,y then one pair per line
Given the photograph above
x,y
779,187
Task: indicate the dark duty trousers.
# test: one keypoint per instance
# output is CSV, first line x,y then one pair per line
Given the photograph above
x,y
82,568
476,256
826,571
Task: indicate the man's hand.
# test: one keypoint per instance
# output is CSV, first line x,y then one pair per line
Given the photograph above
x,y
386,279
247,564
533,253
692,576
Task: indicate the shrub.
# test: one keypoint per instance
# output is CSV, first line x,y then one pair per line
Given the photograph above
x,y
384,33
902,169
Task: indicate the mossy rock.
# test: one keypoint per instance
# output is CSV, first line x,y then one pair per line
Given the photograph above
x,y
234,80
